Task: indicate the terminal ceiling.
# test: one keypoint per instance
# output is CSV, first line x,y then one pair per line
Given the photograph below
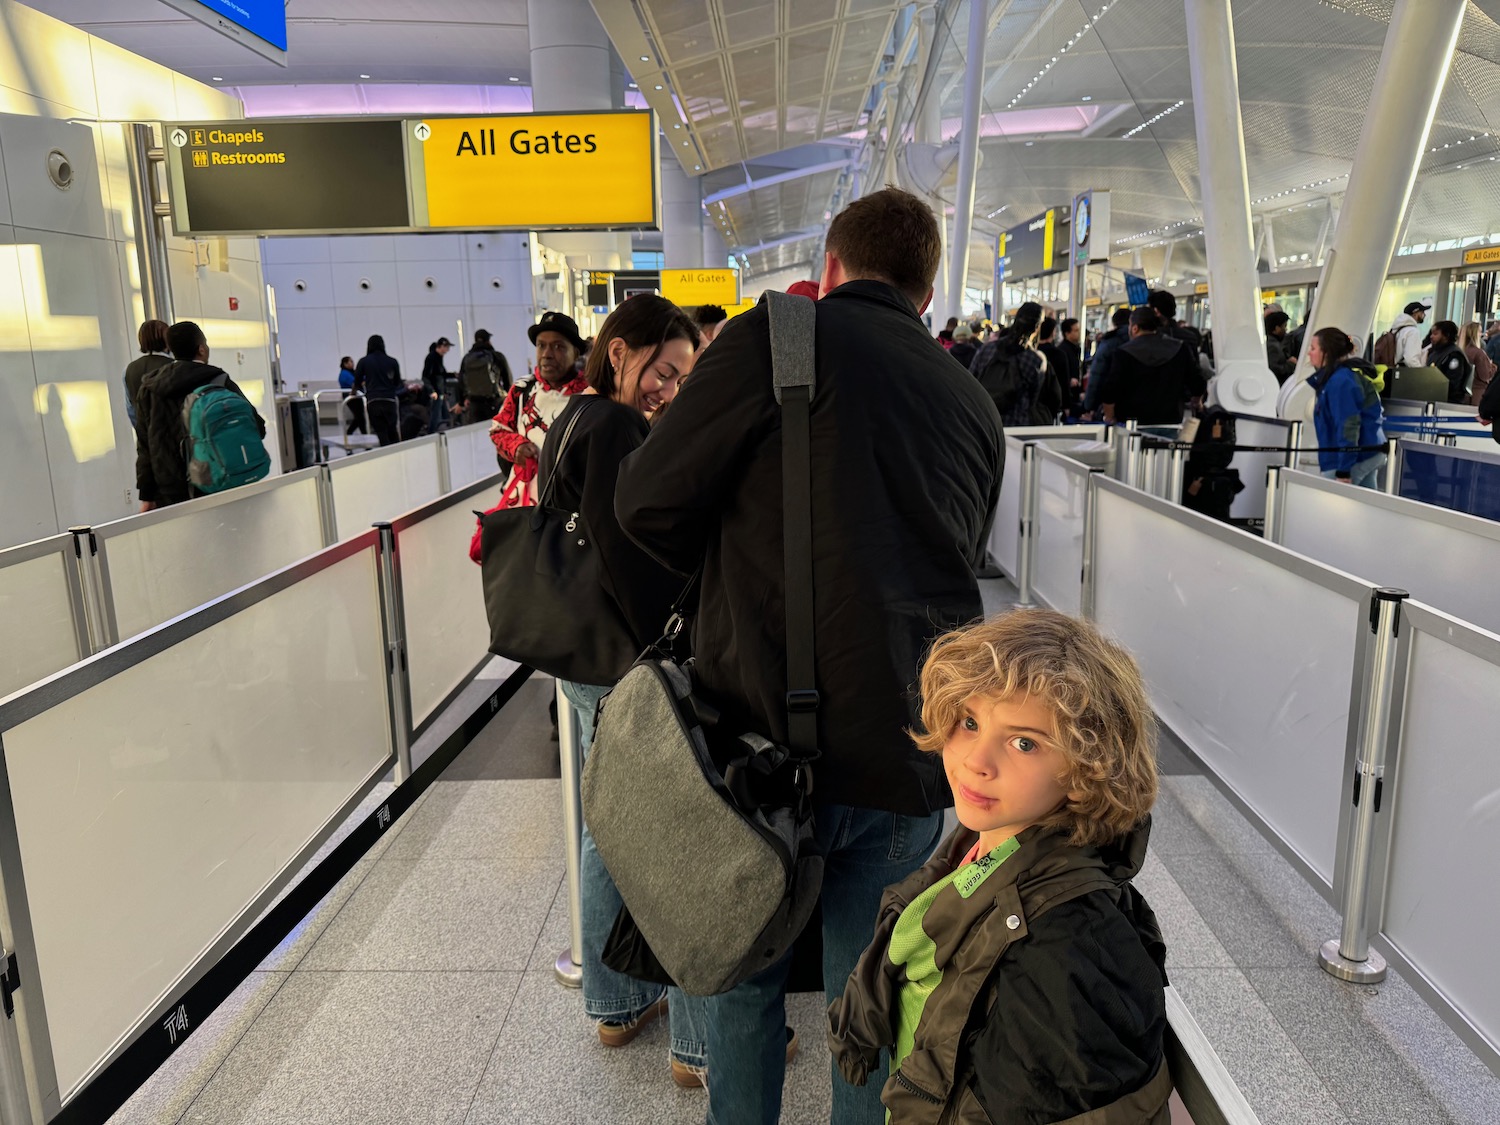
x,y
791,91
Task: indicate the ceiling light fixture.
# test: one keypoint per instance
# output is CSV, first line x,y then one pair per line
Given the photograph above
x,y
1087,98
513,78
217,78
364,76
645,58
658,85
1063,50
1152,121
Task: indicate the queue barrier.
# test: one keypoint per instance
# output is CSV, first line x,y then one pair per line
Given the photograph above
x,y
1463,480
69,596
1362,752
157,797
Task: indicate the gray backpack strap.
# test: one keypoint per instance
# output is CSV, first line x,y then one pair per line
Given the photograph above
x,y
793,370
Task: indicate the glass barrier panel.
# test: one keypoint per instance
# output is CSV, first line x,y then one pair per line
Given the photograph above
x,y
1433,475
447,632
1057,577
1438,557
1445,828
1249,661
154,807
1005,534
159,567
36,616
376,486
471,454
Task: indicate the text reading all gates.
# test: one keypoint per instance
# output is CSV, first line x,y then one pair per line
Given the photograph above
x,y
524,143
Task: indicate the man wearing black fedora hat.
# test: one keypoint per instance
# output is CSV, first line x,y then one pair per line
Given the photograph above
x,y
521,426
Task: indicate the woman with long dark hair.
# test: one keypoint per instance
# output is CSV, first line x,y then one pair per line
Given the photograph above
x,y
644,349
1348,414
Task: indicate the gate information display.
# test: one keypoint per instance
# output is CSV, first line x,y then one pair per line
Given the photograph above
x,y
287,177
571,171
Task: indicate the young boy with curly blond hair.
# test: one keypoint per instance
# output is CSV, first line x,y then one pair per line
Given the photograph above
x,y
1018,977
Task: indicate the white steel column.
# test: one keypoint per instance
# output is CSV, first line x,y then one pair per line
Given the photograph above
x,y
1244,384
1403,102
968,157
682,224
715,249
929,131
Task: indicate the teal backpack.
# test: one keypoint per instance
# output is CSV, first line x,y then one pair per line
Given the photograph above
x,y
225,447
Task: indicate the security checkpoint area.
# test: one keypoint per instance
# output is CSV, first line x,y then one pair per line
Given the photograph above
x,y
282,838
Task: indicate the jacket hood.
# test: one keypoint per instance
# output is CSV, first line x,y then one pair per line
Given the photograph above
x,y
1358,363
1153,350
1405,320
184,375
376,346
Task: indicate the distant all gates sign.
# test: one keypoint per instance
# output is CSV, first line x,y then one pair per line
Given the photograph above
x,y
692,287
585,171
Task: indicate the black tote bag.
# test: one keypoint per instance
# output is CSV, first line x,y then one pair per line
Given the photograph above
x,y
546,605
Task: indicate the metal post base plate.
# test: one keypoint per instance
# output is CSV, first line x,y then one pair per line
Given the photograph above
x,y
569,973
1355,972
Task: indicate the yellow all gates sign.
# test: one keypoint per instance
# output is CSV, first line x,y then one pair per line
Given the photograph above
x,y
1483,256
566,171
692,287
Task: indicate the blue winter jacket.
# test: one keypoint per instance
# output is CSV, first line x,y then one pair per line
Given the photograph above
x,y
1348,413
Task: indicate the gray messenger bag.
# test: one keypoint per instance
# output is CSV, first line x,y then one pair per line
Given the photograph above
x,y
708,834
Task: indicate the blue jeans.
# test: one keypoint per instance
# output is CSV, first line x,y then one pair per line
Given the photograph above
x,y
1365,474
608,995
866,852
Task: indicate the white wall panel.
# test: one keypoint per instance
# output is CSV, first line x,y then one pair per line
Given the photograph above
x,y
26,508
57,65
1439,557
1250,661
316,278
353,327
35,202
428,248
363,248
36,618
446,278
1443,908
380,276
294,251
171,825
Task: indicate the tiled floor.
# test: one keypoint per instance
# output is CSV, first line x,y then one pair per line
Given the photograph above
x,y
421,989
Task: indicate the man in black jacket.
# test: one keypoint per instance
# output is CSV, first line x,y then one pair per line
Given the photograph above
x,y
906,459
379,377
1152,378
161,470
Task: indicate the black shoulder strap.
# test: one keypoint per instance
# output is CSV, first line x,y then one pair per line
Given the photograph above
x,y
794,376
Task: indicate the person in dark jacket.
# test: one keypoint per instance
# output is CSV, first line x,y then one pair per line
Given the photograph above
x,y
1070,374
1016,376
644,349
435,383
1281,364
1449,358
963,348
1489,408
1019,976
152,338
1152,378
161,470
1347,415
356,405
1104,351
907,453
379,377
484,379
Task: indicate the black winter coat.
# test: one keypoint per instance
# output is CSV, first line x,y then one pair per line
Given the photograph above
x,y
1151,379
907,452
161,438
377,374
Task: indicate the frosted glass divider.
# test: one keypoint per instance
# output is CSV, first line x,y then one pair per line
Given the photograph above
x,y
471,454
1254,655
444,622
42,614
1005,532
1441,906
368,487
1441,557
159,564
155,798
1058,530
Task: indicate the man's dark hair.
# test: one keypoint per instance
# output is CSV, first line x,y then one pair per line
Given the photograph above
x,y
1049,326
1146,318
1448,329
706,316
890,236
184,339
644,321
1120,318
1164,303
1275,320
1068,325
152,336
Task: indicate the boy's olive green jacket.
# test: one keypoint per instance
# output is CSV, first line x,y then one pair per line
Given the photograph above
x,y
1050,1007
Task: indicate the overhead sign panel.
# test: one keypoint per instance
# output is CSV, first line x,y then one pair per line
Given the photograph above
x,y
579,171
692,287
568,171
271,176
1483,256
1028,250
258,24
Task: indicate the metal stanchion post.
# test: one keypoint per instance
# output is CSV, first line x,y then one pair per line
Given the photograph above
x,y
1392,467
569,965
1029,485
86,557
1090,540
1349,956
327,518
1272,531
445,468
395,645
1176,473
1136,462
1293,445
